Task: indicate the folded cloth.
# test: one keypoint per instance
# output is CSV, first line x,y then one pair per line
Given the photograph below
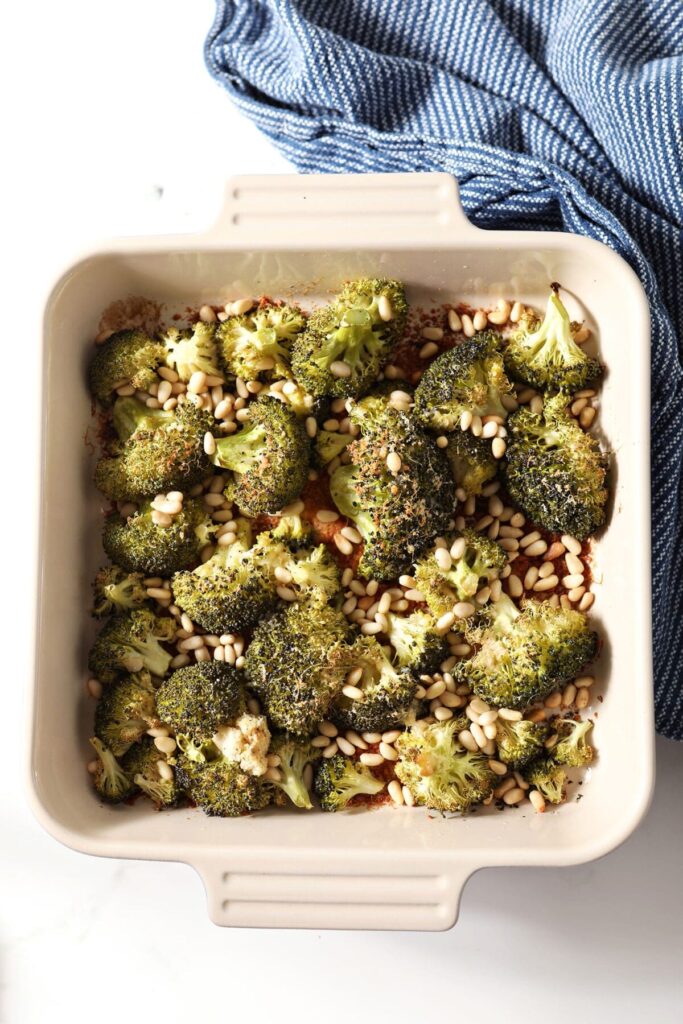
x,y
553,115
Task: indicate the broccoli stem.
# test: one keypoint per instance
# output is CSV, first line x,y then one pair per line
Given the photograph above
x,y
504,612
552,341
345,498
352,341
130,416
242,450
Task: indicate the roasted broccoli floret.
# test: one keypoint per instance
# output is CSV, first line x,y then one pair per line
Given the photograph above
x,y
481,561
471,461
281,556
229,592
397,511
259,343
125,711
191,351
329,444
314,571
115,590
549,778
291,530
439,772
338,780
141,764
130,415
467,378
131,643
139,545
286,664
295,755
555,471
159,455
197,699
194,749
545,354
520,742
110,780
128,357
221,788
573,748
269,456
416,644
387,692
346,344
521,655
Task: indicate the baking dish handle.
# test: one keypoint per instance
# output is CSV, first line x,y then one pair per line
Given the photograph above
x,y
283,893
294,210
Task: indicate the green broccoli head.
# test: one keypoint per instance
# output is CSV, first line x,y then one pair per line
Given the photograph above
x,y
438,771
295,755
467,378
130,415
131,643
141,764
397,513
573,748
329,444
269,456
110,781
128,357
291,530
555,471
482,561
387,692
314,572
259,344
221,788
471,461
351,337
545,354
229,592
197,699
416,645
281,554
192,351
286,664
139,545
520,742
125,711
549,778
522,655
161,455
115,590
338,780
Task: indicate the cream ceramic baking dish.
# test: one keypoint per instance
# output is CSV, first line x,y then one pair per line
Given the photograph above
x,y
395,868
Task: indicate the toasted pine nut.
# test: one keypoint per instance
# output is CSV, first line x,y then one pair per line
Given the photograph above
x,y
384,308
571,544
547,584
454,321
371,760
467,326
537,802
501,314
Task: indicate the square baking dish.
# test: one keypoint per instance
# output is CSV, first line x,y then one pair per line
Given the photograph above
x,y
395,868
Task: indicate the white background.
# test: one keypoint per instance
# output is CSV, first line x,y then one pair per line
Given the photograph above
x,y
111,125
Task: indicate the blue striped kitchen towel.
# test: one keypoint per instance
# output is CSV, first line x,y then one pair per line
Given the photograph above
x,y
552,114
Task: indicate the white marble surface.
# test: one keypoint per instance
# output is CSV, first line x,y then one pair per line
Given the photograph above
x,y
105,107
